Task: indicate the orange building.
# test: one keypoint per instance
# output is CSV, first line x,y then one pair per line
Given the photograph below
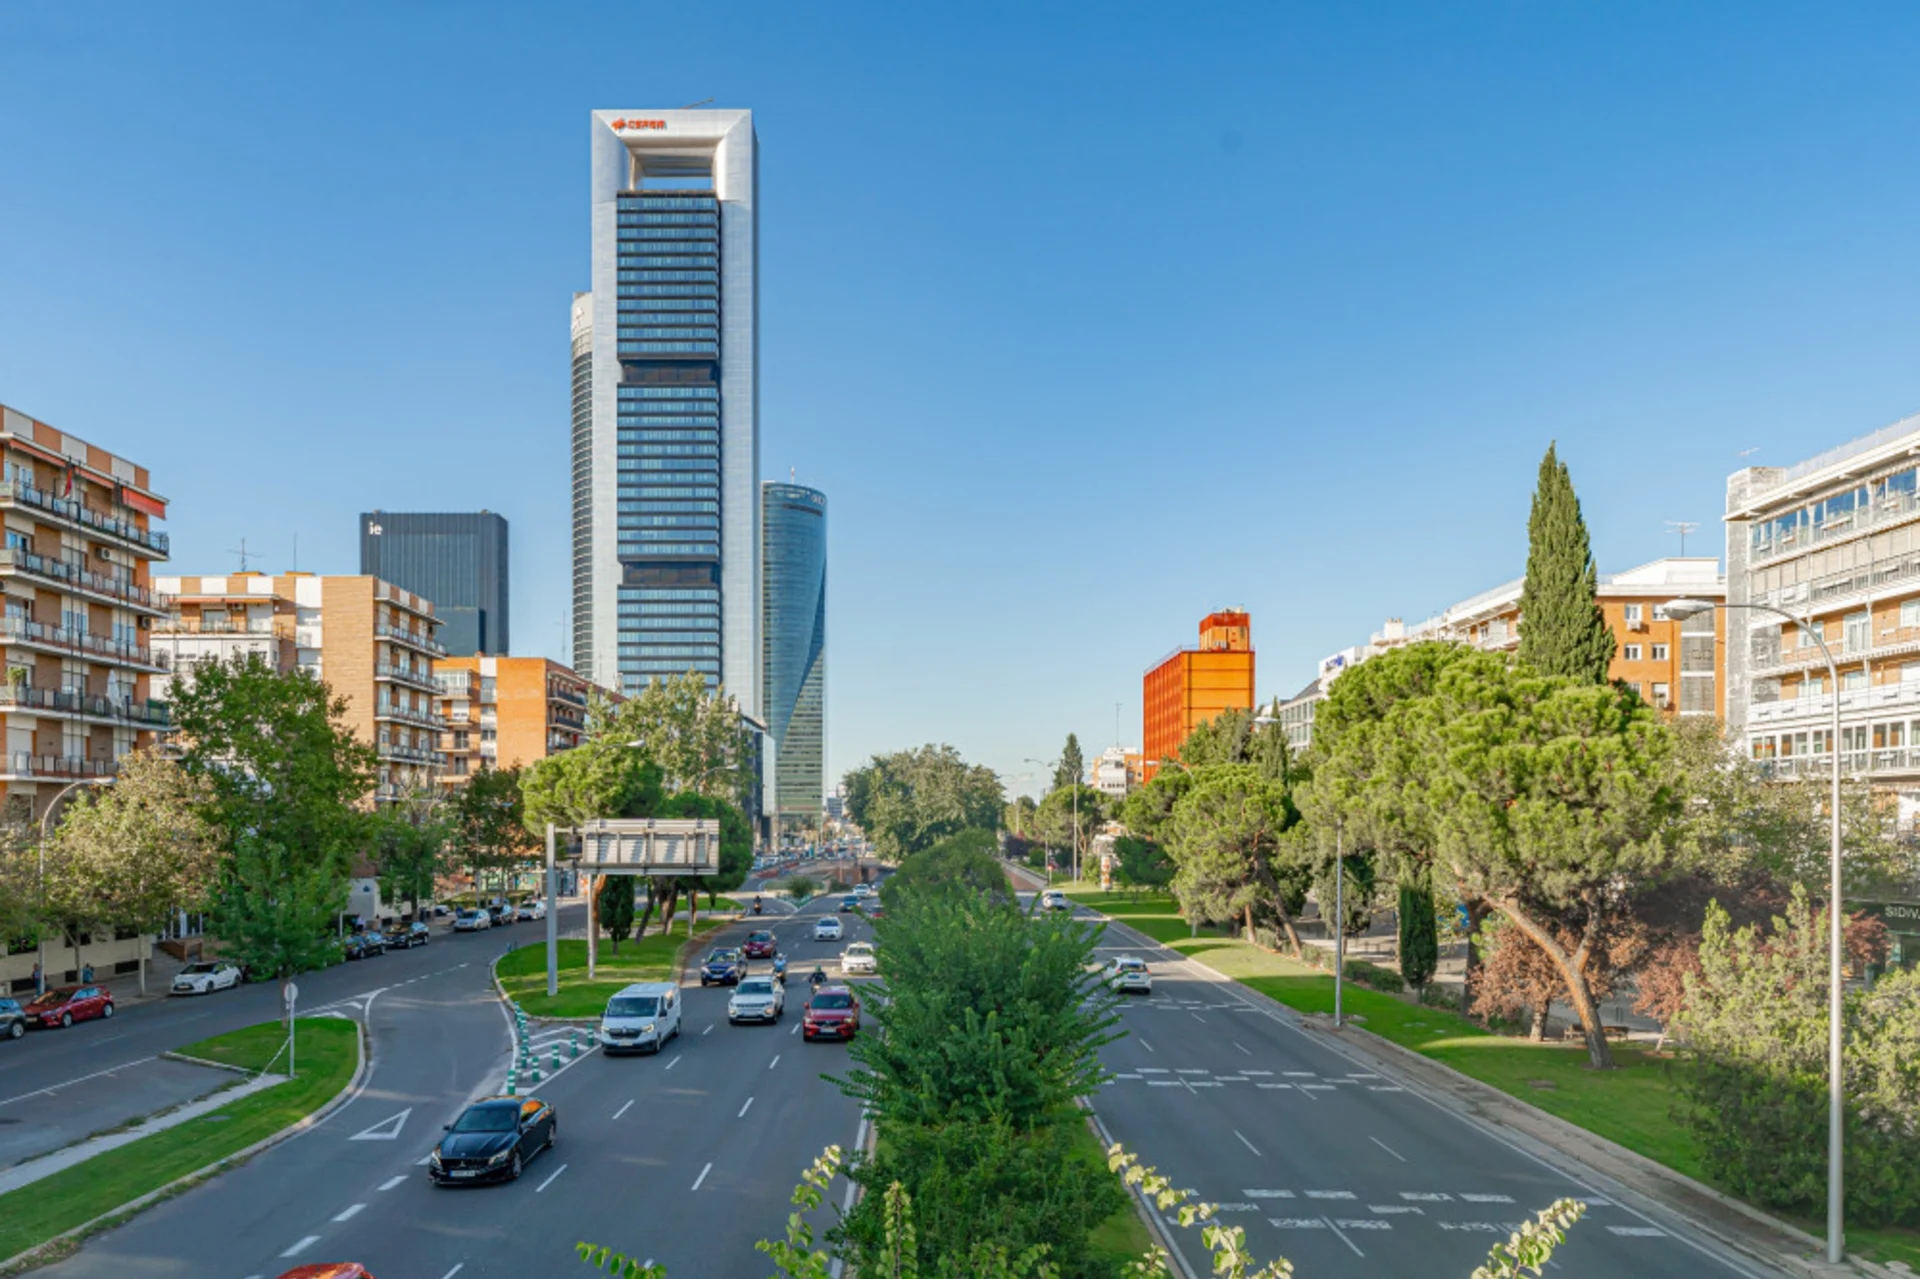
x,y
502,712
1190,686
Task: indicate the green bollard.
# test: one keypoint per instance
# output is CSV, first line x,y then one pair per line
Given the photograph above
x,y
533,1076
573,1043
556,1057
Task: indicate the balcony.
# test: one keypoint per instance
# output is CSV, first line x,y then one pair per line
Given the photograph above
x,y
68,511
78,580
455,683
388,593
26,766
568,696
413,639
1896,508
418,719
412,677
1888,762
179,624
25,699
58,639
410,754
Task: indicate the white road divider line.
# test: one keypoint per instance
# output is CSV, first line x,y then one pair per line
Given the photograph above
x,y
391,1182
458,1267
707,1031
675,1062
623,1110
1243,1048
1390,1150
349,1212
744,1109
702,1177
1249,1145
302,1246
774,1062
1343,1238
549,1181
795,1030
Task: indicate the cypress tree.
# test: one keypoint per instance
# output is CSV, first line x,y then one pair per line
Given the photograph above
x,y
1562,630
1419,936
616,908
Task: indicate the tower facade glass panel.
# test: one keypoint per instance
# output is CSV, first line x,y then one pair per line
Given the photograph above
x,y
458,561
793,522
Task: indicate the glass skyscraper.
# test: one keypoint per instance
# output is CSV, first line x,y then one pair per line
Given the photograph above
x,y
459,561
793,628
666,438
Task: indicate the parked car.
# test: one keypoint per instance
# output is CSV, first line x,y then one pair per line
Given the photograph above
x,y
203,977
535,909
723,967
363,945
493,1140
859,958
759,945
757,999
407,936
67,1004
471,920
1129,973
827,929
501,913
832,1013
13,1019
641,1018
849,903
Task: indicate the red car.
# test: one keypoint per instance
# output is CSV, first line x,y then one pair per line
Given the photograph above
x,y
759,945
68,1004
832,1013
330,1270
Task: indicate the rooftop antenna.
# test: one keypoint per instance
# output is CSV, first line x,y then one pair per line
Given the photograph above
x,y
243,553
1682,527
691,105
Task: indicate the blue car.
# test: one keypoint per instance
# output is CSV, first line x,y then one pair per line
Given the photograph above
x,y
723,968
849,904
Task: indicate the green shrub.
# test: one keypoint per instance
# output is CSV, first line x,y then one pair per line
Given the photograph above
x,y
1419,936
1375,976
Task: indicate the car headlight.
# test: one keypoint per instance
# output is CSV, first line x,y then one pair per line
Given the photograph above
x,y
647,1029
434,1158
501,1158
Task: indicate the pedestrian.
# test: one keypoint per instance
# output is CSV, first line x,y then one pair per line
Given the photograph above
x,y
39,980
86,974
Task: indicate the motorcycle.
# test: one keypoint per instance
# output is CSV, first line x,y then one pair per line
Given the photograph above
x,y
756,905
818,979
780,969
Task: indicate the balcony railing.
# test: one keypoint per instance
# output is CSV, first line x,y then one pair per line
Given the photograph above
x,y
73,512
25,764
410,754
411,676
418,639
1877,513
46,701
19,630
419,719
455,683
176,623
569,696
404,599
76,578
1867,763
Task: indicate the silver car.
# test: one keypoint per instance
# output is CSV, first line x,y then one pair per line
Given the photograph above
x,y
757,999
1129,974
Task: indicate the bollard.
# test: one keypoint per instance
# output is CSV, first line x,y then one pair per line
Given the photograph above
x,y
556,1057
573,1043
533,1067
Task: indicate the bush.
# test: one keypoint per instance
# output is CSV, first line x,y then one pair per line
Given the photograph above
x,y
1434,995
1375,976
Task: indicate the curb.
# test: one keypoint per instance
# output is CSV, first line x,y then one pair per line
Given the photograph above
x,y
1156,1228
681,958
136,1205
202,1061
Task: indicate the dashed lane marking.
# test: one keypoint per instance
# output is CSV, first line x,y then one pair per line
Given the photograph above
x,y
1268,1194
744,1109
675,1062
301,1246
347,1214
391,1182
1350,1243
702,1177
549,1181
707,1031
1331,1194
458,1267
774,1062
623,1110
1487,1199
1389,1149
1249,1145
1638,1232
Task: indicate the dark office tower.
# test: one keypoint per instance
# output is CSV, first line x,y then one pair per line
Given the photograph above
x,y
457,561
793,637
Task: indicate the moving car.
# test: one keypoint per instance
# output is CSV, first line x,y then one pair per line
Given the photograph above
x,y
407,936
493,1140
361,945
873,908
832,1013
1129,973
535,909
759,945
828,929
1054,899
13,1019
469,920
641,1018
501,913
67,1004
204,977
862,891
330,1270
757,999
724,967
859,958
849,903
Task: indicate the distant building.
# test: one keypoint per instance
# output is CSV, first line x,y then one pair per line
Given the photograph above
x,y
793,638
1114,771
1296,715
459,561
1190,686
504,712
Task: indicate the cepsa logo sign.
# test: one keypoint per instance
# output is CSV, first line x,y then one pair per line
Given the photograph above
x,y
639,124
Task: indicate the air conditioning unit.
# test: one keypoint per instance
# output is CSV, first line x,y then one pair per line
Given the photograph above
x,y
105,553
1636,626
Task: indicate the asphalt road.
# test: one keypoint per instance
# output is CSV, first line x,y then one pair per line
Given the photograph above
x,y
687,1157
1342,1168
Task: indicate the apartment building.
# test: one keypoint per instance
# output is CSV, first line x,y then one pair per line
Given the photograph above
x,y
1834,541
1115,771
373,643
1190,686
503,712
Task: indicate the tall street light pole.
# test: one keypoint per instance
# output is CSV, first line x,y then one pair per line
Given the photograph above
x,y
1681,610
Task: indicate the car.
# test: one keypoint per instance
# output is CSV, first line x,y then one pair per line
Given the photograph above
x,y
849,903
873,909
862,891
832,1013
205,976
65,1005
407,936
723,967
757,999
1128,973
13,1019
827,929
640,1018
532,910
362,945
329,1270
469,920
494,1139
759,945
1054,899
501,913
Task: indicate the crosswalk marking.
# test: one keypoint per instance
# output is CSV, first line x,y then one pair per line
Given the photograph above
x,y
1638,1232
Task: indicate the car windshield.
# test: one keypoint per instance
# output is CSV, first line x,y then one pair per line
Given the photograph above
x,y
860,948
196,970
720,957
51,998
1132,966
488,1119
633,1006
468,913
759,986
763,936
833,1001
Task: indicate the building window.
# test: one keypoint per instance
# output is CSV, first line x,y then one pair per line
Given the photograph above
x,y
1659,652
1910,612
1813,686
1632,612
1659,612
1661,697
1630,653
1852,680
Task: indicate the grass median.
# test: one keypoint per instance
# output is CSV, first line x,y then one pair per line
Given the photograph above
x,y
329,1054
523,971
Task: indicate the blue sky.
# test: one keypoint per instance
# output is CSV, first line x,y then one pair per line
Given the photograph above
x,y
1089,319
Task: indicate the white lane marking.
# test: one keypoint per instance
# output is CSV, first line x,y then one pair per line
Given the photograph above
x,y
391,1182
1249,1145
53,1088
702,1177
423,1160
1343,1238
304,1244
1276,1085
1298,1074
1144,1044
1268,1194
1487,1199
795,1030
707,1031
1427,1196
1153,1070
350,1212
458,1267
743,1109
1127,1077
1390,1150
623,1110
1642,1232
1315,1087
675,1062
1196,1017
1191,1070
549,1181
1389,1209
774,1062
1331,1194
387,1129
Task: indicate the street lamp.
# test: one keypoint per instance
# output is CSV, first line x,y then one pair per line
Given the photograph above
x,y
46,833
1076,816
1681,610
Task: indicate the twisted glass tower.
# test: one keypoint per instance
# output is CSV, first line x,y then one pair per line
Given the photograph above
x,y
793,595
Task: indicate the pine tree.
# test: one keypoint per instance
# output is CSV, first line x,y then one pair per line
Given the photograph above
x,y
1073,764
1562,630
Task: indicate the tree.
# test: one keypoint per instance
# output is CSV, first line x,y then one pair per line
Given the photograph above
x,y
1142,863
487,823
1072,768
274,912
1419,936
130,854
1147,810
1019,816
909,800
408,846
1054,822
964,860
1228,839
279,763
1521,980
694,734
614,908
1562,630
1355,895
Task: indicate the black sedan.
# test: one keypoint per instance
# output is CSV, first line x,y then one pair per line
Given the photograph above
x,y
406,936
493,1140
361,945
723,967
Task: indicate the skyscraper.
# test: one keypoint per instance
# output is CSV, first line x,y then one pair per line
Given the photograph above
x,y
459,561
666,428
793,628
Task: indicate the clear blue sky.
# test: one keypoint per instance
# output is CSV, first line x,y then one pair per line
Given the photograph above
x,y
1088,318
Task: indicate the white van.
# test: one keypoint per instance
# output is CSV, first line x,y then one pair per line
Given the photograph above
x,y
641,1018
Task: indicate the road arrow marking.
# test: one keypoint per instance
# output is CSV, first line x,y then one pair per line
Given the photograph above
x,y
386,1130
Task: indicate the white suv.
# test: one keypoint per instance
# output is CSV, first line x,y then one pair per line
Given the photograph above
x,y
827,929
859,958
1054,899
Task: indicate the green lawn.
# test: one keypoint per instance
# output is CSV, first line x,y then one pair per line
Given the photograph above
x,y
523,972
328,1055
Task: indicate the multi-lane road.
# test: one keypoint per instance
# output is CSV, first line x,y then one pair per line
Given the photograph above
x,y
686,1158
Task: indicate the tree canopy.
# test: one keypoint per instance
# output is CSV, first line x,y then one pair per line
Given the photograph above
x,y
909,800
1562,630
